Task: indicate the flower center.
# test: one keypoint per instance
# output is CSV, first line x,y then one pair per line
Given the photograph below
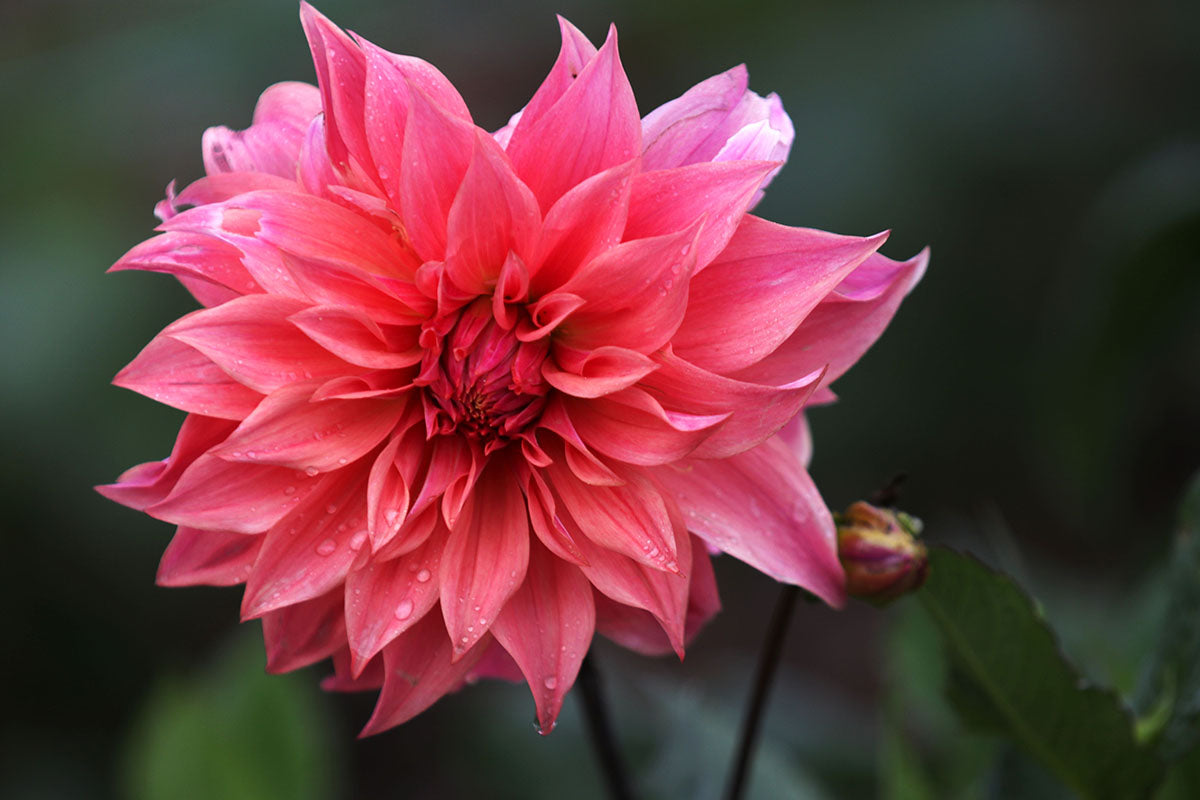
x,y
483,382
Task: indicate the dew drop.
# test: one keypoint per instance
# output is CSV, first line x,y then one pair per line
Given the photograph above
x,y
358,540
330,509
341,461
550,683
404,610
423,576
326,547
289,490
390,515
311,471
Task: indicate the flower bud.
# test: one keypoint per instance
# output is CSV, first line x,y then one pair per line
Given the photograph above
x,y
879,550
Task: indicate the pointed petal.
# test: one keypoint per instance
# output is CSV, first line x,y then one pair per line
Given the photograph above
x,y
353,336
344,680
147,484
190,254
247,498
386,598
419,668
272,143
251,339
592,126
575,54
760,288
207,558
288,429
180,376
603,371
485,557
547,627
839,330
761,507
545,522
632,426
309,551
304,633
667,201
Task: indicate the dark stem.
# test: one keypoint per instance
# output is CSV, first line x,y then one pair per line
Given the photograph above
x,y
600,728
768,660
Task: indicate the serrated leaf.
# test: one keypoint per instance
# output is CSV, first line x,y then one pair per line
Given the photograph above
x,y
1013,677
1170,697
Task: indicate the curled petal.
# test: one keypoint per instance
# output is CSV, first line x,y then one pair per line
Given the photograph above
x,y
632,426
272,143
207,558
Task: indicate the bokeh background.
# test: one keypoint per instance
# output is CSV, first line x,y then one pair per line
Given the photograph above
x,y
1041,387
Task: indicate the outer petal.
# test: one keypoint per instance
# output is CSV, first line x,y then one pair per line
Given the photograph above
x,y
304,633
272,143
575,54
182,377
485,557
760,288
547,627
760,506
191,255
309,551
207,558
592,126
352,335
147,484
419,667
840,330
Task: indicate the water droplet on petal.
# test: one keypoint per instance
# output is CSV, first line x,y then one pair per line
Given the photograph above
x,y
358,540
404,610
289,490
330,509
423,576
326,547
311,471
550,683
341,461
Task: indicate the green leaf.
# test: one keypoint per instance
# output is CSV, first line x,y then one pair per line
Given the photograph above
x,y
1009,675
1170,697
233,732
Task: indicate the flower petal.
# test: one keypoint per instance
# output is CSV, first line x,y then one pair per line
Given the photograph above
x,y
547,627
352,335
194,255
182,377
761,507
632,426
603,371
304,633
760,288
207,558
246,498
485,557
272,143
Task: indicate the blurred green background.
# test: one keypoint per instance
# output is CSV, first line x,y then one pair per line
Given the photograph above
x,y
1041,388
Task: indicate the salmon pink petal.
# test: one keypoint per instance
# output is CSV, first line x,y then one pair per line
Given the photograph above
x,y
485,557
147,484
841,329
592,126
309,551
341,76
585,464
419,668
182,377
663,594
495,663
632,426
761,507
207,558
406,587
191,255
227,185
667,201
631,519
305,633
575,54
584,222
545,522
343,679
493,215
797,436
546,627
766,268
635,294
755,411
355,337
638,630
288,429
315,171
272,143
603,371
251,339
215,494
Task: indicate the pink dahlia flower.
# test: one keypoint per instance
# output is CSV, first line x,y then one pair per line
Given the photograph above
x,y
458,400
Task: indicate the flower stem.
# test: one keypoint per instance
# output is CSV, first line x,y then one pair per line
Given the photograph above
x,y
768,660
600,728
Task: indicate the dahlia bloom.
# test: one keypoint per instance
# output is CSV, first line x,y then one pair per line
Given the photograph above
x,y
458,400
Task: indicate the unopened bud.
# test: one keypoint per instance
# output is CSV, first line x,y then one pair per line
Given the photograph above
x,y
879,550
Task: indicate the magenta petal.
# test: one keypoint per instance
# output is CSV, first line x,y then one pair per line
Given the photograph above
x,y
193,255
147,484
631,519
304,633
251,339
839,330
594,125
272,143
485,557
691,127
420,668
309,551
759,290
386,598
182,377
547,627
575,53
290,430
671,200
761,507
207,558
